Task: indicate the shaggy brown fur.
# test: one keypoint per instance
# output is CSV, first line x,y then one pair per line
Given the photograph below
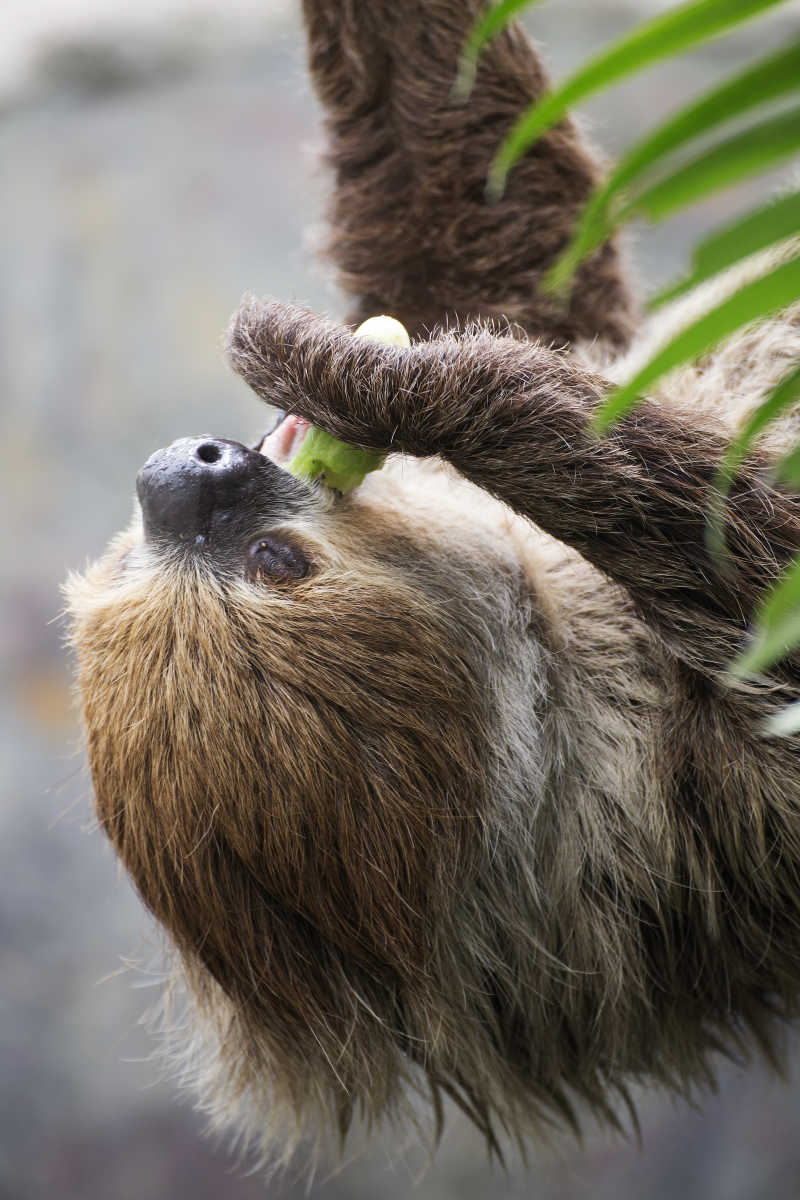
x,y
411,232
471,807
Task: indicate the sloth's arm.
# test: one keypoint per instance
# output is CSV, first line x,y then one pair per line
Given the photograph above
x,y
411,232
514,418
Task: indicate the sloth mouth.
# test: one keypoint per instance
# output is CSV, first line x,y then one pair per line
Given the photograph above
x,y
284,440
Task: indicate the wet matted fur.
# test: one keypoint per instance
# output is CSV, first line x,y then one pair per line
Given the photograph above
x,y
471,808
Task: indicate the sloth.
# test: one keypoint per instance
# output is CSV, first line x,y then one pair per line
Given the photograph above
x,y
441,788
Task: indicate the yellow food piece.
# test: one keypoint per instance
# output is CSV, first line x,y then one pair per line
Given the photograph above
x,y
384,329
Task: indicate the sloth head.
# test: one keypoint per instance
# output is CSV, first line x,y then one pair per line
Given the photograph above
x,y
296,716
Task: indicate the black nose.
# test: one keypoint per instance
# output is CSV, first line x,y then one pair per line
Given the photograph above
x,y
197,485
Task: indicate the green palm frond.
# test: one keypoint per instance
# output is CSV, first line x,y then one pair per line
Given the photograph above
x,y
746,153
761,297
769,79
663,173
785,396
777,626
661,37
774,222
493,21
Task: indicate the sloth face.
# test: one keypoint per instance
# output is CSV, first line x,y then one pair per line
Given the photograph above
x,y
291,702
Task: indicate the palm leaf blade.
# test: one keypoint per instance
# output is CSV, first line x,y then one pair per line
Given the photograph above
x,y
775,222
662,36
761,297
748,152
777,625
788,469
493,21
784,395
768,79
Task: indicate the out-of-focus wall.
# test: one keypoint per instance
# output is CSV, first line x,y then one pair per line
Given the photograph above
x,y
151,171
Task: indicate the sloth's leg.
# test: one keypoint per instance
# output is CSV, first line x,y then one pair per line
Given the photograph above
x,y
411,232
514,418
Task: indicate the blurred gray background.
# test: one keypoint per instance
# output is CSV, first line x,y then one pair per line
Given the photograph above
x,y
156,162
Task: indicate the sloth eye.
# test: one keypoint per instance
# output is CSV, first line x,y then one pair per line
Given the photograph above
x,y
273,558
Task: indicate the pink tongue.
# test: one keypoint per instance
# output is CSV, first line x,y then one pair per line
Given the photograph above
x,y
282,445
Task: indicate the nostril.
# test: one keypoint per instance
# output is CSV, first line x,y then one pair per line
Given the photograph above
x,y
203,486
209,452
